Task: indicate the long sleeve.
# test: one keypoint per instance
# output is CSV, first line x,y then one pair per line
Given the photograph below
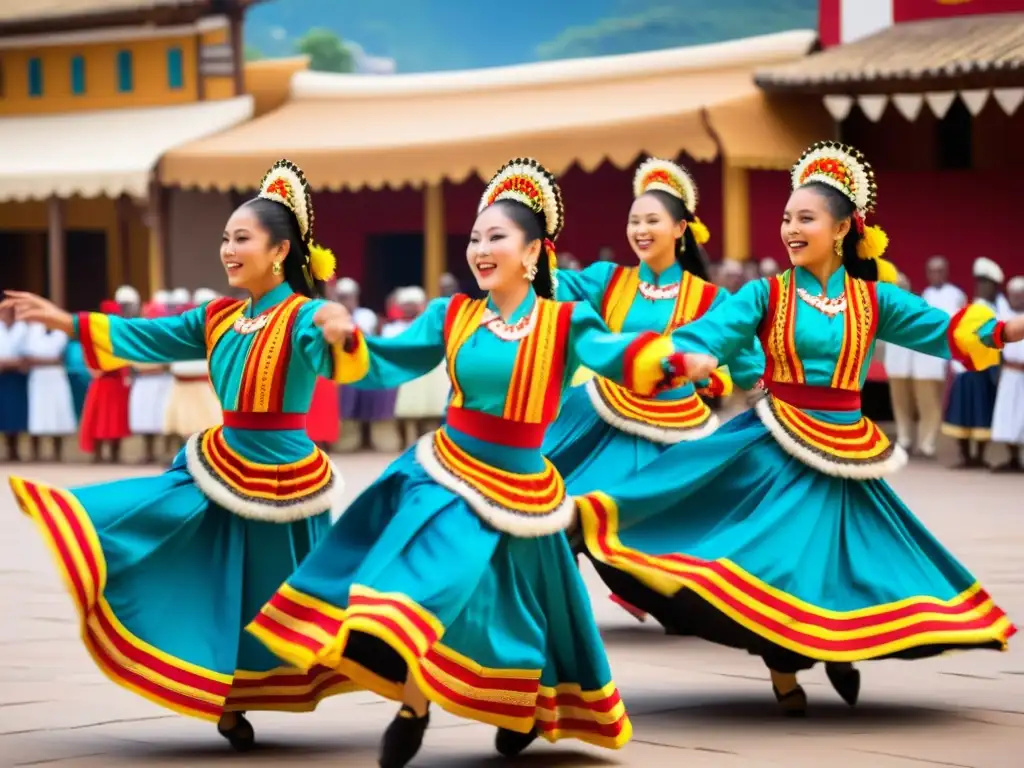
x,y
631,359
743,369
972,337
382,363
110,342
587,285
728,331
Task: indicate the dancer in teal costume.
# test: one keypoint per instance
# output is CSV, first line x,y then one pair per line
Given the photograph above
x,y
777,534
449,580
167,570
603,434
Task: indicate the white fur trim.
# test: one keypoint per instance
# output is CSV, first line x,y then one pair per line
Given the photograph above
x,y
505,520
330,499
864,470
663,435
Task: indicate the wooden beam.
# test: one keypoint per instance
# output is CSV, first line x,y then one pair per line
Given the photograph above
x,y
157,218
123,207
55,256
735,211
435,238
238,49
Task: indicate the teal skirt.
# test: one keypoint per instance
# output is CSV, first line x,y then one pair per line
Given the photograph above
x,y
732,539
165,581
494,628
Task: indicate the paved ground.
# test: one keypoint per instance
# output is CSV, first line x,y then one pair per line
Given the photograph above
x,y
692,704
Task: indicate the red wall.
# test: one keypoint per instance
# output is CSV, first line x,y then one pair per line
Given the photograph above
x,y
597,206
912,10
957,214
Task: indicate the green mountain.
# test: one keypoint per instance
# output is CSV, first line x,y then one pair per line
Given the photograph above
x,y
431,35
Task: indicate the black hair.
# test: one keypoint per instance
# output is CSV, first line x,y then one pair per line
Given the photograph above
x,y
281,226
532,226
689,254
841,207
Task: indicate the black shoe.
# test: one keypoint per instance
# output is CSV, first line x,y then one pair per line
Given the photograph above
x,y
241,735
511,743
794,703
845,680
403,738
1009,467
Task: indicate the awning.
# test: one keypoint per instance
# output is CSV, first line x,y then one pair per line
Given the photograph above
x,y
351,131
108,152
962,52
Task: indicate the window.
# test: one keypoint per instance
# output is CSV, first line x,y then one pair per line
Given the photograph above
x,y
78,75
124,71
35,76
175,69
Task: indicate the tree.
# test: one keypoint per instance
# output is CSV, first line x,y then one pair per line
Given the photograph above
x,y
252,53
326,51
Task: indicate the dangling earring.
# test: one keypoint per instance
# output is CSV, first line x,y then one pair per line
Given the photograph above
x,y
837,247
531,271
277,268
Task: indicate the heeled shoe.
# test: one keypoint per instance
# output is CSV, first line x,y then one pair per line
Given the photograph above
x,y
241,735
793,703
403,738
512,743
845,679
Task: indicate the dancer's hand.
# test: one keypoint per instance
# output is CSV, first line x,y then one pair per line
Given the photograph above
x,y
698,367
35,309
1014,330
335,322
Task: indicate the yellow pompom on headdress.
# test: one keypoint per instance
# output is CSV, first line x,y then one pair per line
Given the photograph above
x,y
528,182
285,183
666,176
844,168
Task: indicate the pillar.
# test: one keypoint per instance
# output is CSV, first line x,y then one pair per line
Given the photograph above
x,y
123,211
157,217
435,238
55,251
735,211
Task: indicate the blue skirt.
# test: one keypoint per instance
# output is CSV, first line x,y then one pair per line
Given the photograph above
x,y
13,403
588,452
165,581
972,401
734,540
491,627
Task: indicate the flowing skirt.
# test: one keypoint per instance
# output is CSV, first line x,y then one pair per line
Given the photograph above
x,y
492,627
732,539
51,407
106,411
323,423
13,403
164,582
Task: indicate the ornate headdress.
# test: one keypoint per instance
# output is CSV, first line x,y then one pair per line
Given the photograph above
x,y
528,182
666,176
286,184
844,168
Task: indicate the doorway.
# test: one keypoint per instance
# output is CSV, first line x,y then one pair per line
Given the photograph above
x,y
86,270
392,261
23,266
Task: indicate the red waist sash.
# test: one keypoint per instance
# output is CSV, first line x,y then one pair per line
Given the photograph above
x,y
809,398
495,429
264,421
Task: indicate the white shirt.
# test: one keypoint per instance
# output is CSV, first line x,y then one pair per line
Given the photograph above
x,y
366,320
950,300
12,340
1013,352
394,328
43,344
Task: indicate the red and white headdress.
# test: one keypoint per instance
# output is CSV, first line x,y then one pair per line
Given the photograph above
x,y
844,168
285,183
528,182
666,176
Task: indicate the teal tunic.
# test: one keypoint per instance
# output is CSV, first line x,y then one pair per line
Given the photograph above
x,y
167,570
769,534
452,566
596,438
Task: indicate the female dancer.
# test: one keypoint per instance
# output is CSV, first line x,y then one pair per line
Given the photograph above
x,y
446,581
604,433
167,570
787,519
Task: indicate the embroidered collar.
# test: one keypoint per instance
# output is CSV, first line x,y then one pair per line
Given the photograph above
x,y
519,324
268,301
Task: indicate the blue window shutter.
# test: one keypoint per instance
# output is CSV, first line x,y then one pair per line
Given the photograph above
x,y
175,69
78,75
124,71
35,76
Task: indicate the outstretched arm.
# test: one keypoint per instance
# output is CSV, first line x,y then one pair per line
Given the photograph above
x,y
587,285
377,362
744,368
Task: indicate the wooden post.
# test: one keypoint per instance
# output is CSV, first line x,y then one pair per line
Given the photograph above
x,y
237,49
435,238
736,211
123,208
55,251
157,210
